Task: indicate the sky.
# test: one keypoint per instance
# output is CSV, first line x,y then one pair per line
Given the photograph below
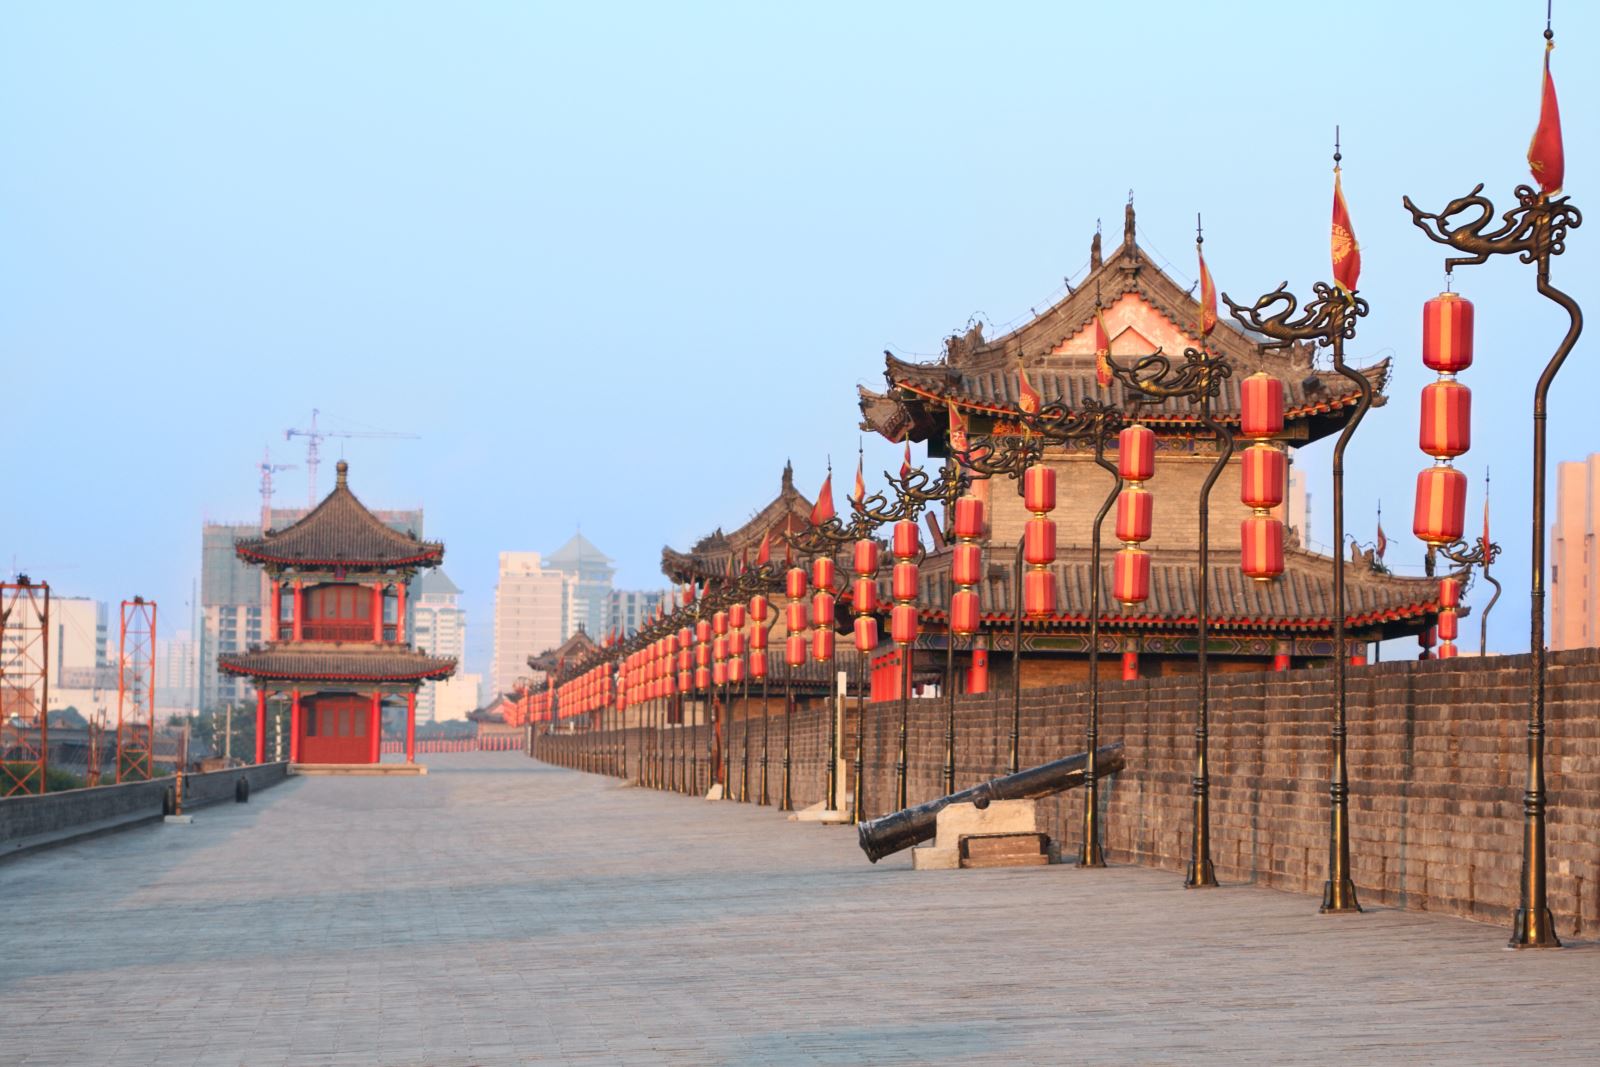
x,y
614,264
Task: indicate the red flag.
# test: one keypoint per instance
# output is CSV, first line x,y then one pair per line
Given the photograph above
x,y
1102,351
1208,298
1486,541
1546,159
822,510
1342,241
1027,397
860,493
958,429
788,545
1383,542
764,553
905,464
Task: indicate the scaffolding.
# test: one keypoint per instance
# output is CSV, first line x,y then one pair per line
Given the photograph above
x,y
24,686
136,691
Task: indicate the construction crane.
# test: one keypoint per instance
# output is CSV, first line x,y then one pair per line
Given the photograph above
x,y
315,437
268,469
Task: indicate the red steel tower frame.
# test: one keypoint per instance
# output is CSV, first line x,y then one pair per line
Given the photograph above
x,y
24,686
136,690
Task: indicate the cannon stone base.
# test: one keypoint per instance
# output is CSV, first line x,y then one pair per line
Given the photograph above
x,y
956,822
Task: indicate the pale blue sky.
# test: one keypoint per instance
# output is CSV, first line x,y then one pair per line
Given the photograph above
x,y
615,263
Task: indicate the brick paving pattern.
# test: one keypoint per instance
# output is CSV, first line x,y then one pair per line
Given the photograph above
x,y
500,911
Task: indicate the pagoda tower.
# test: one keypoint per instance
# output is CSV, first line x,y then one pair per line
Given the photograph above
x,y
1255,625
336,638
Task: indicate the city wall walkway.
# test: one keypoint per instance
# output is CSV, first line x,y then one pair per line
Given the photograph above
x,y
503,911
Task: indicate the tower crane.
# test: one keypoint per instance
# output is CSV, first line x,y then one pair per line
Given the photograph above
x,y
315,437
268,469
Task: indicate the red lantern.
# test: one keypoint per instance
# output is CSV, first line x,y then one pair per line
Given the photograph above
x,y
969,517
702,677
1446,428
702,655
964,611
1261,540
966,564
822,644
865,556
719,623
702,631
1447,333
1441,510
1449,592
822,572
907,543
1260,406
1135,515
719,673
1039,593
736,616
866,633
1136,453
794,583
798,616
865,595
758,609
905,581
1130,576
1039,542
903,624
758,666
719,647
1448,627
1039,489
685,638
822,607
758,639
735,671
1447,650
1262,478
794,650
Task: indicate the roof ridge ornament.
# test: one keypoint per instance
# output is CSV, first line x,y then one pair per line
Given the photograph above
x,y
341,475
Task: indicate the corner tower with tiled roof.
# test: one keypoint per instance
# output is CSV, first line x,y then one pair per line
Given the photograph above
x,y
1283,622
336,643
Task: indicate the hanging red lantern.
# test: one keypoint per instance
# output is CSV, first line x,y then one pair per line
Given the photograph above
x,y
905,581
758,609
1039,489
735,670
1039,542
1449,593
719,647
969,517
719,672
736,643
1447,650
907,541
799,616
964,612
1445,431
719,623
794,649
794,583
822,608
903,624
966,564
1448,628
822,575
702,631
1039,593
1135,514
702,678
758,665
1136,453
736,616
1447,333
758,638
864,556
822,644
1261,540
1261,479
866,633
1130,576
1441,511
1260,406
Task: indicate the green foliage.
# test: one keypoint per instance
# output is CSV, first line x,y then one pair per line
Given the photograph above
x,y
56,780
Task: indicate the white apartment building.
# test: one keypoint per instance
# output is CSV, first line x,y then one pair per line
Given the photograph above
x,y
530,603
439,628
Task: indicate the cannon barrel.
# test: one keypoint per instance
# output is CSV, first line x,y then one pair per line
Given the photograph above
x,y
889,834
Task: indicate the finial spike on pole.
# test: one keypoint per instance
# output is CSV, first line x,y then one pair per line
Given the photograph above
x,y
1336,156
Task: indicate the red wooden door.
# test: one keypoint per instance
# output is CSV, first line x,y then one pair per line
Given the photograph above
x,y
335,729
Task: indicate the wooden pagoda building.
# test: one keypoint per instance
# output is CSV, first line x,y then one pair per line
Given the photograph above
x,y
1278,624
336,648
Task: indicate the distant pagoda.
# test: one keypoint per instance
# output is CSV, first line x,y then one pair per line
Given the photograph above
x,y
339,651
1282,623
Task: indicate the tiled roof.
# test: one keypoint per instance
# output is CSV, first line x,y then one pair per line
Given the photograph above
x,y
713,554
340,532
336,663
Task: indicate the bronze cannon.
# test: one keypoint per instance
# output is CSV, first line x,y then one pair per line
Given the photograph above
x,y
889,834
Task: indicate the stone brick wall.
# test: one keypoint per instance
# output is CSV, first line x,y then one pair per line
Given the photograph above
x,y
1436,758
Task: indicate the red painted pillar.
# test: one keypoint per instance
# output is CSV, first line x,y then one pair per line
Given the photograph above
x,y
294,721
411,725
377,727
299,609
400,612
1280,662
276,633
261,724
1130,666
377,612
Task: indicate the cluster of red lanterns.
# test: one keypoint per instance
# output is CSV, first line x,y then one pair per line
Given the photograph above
x,y
1261,481
966,564
798,620
589,691
822,603
906,543
1039,541
1446,430
761,621
864,593
1136,462
736,642
719,648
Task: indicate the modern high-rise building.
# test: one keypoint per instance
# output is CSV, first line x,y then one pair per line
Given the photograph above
x,y
79,671
232,595
1574,605
531,604
177,671
588,571
439,628
631,609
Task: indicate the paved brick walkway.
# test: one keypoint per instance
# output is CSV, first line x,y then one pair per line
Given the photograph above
x,y
498,911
